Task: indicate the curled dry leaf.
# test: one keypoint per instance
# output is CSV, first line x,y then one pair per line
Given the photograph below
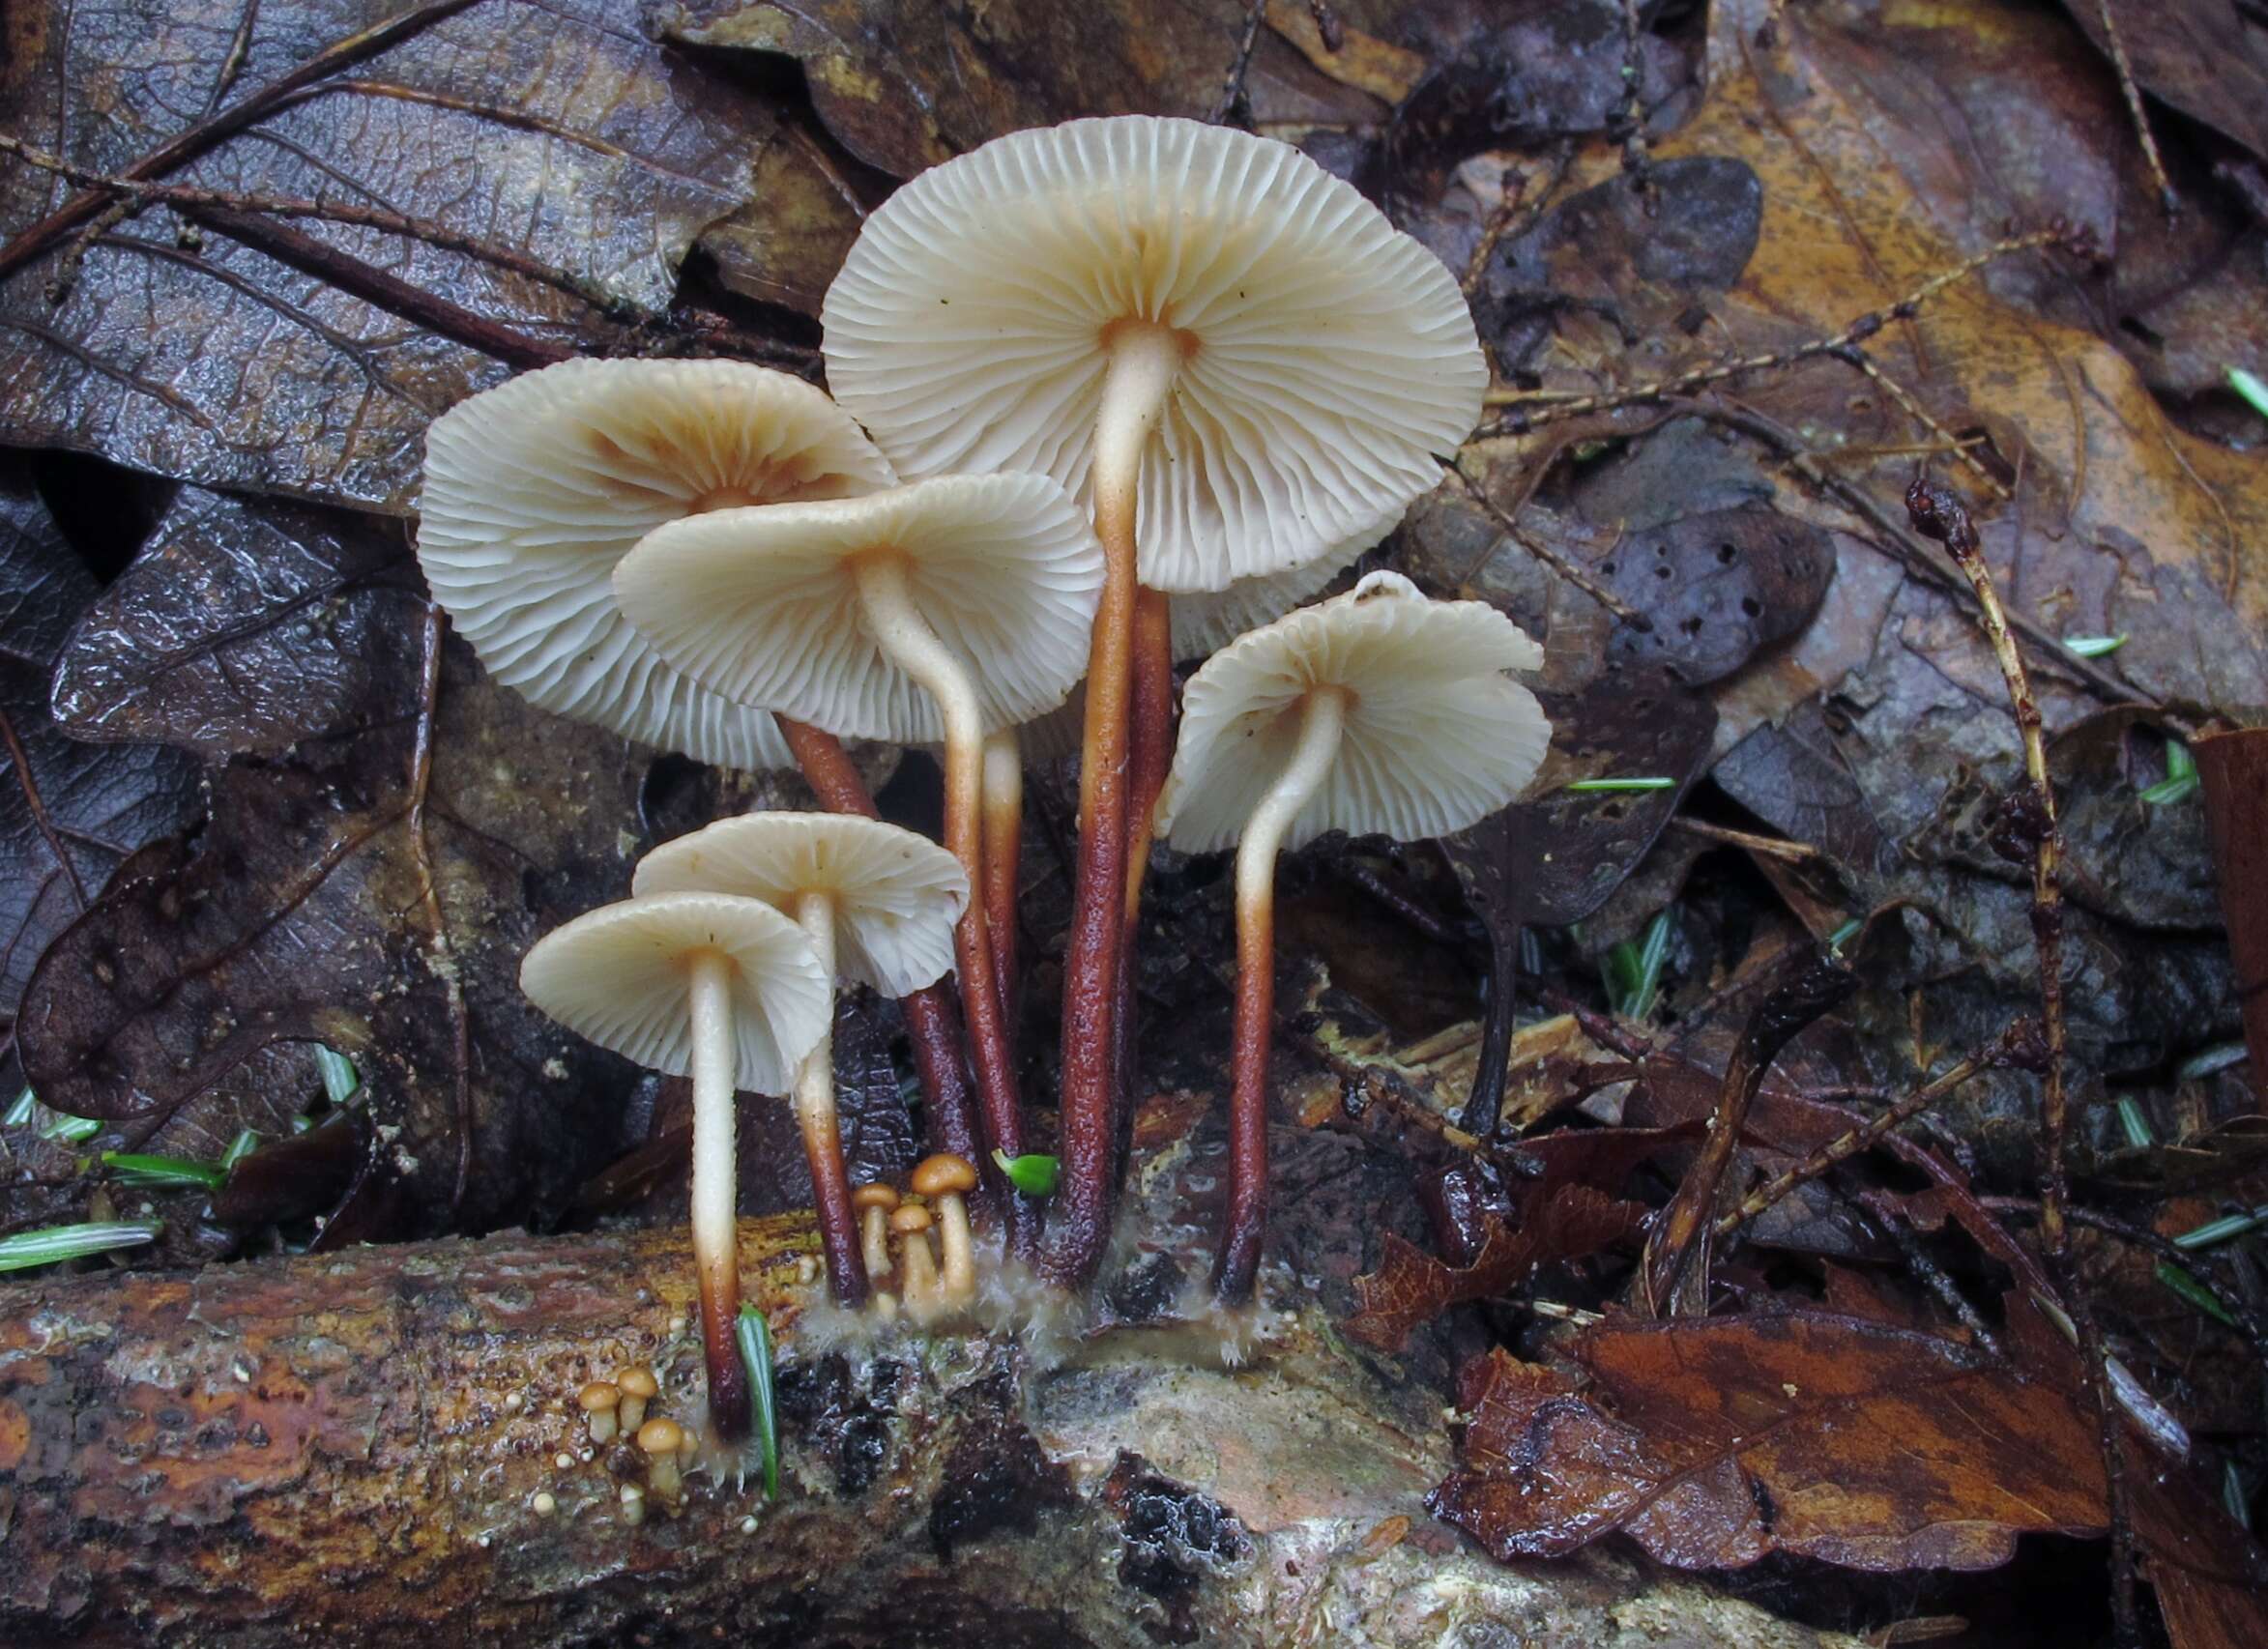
x,y
1717,1442
1411,1286
905,87
306,356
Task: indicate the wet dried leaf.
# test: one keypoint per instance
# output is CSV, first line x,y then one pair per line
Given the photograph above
x,y
905,87
228,351
1718,1442
70,813
244,627
1719,588
1411,1286
1555,859
334,897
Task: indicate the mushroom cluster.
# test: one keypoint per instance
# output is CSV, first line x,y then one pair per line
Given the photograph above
x,y
1107,395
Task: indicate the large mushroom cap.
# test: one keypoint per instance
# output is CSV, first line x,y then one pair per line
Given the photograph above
x,y
1436,737
536,488
621,976
761,604
1329,357
896,894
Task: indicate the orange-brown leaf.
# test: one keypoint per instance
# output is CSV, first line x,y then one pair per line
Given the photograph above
x,y
1411,1286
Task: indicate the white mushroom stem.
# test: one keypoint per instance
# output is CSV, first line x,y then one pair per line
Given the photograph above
x,y
1003,785
815,1117
716,1251
874,1246
1322,717
906,638
919,1274
1145,360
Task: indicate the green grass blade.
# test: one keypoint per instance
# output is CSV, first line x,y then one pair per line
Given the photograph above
x,y
754,1335
163,1173
1035,1174
53,1245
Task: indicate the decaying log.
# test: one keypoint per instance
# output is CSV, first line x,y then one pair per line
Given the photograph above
x,y
349,1448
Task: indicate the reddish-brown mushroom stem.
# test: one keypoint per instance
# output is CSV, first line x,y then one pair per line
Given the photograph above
x,y
1151,757
1003,850
1322,717
932,1021
1145,360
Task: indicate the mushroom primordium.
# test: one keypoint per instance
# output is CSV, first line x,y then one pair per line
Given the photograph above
x,y
878,905
659,1440
717,986
638,1387
945,1180
600,1401
932,612
917,1266
1230,355
1379,711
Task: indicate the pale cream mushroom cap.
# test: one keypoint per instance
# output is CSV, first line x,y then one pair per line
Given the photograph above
x,y
761,604
621,975
896,894
1436,737
535,489
1333,356
1203,625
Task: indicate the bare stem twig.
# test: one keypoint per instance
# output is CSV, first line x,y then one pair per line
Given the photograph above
x,y
1554,408
2168,200
2027,826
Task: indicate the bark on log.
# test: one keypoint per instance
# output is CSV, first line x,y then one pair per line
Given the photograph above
x,y
348,1449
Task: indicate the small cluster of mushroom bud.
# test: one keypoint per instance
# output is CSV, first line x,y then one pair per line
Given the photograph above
x,y
928,1288
1108,395
616,1408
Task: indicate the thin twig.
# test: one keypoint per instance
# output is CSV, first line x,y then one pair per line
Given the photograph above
x,y
2027,825
1232,86
613,306
1909,552
1847,1146
2168,200
1555,408
441,962
1549,557
1859,360
1772,847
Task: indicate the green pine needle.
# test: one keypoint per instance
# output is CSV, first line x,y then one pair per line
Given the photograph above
x,y
163,1173
2251,389
2180,782
2192,1292
2093,647
53,1245
1593,787
2136,1124
754,1335
1634,969
341,1078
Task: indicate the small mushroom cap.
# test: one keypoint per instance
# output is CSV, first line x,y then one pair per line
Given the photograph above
x,y
876,1196
896,894
620,975
761,604
1330,356
600,1394
909,1219
661,1436
943,1174
638,1382
1436,736
536,488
